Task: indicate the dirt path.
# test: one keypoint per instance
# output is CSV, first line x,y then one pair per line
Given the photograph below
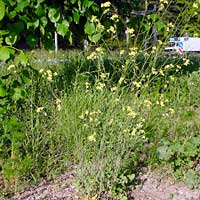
x,y
153,186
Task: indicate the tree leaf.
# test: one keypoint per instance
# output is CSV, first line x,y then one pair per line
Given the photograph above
x,y
95,38
54,15
2,10
89,28
63,28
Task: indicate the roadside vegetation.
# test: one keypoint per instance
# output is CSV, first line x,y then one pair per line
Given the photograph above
x,y
109,112
105,118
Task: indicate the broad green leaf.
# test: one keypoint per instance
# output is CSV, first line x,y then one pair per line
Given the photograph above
x,y
63,28
2,10
2,110
159,26
154,16
164,152
21,4
3,92
17,27
47,41
32,40
73,1
21,58
40,11
54,15
69,36
76,16
32,25
25,77
11,39
3,32
95,38
18,94
4,53
43,21
89,28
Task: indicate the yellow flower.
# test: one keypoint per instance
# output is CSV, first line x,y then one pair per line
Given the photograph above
x,y
153,70
111,30
115,17
147,103
130,31
92,56
92,138
11,67
171,111
39,109
186,61
122,52
161,72
107,4
94,19
131,113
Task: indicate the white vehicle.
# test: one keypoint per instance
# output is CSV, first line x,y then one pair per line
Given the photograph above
x,y
183,45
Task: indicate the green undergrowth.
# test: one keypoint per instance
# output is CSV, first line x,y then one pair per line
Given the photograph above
x,y
106,118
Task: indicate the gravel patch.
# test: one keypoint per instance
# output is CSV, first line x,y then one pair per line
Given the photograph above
x,y
156,186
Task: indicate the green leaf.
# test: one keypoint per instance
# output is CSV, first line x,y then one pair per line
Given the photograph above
x,y
32,25
76,16
62,28
21,58
40,11
2,10
32,40
89,28
159,26
164,152
11,39
3,92
54,15
95,38
25,77
154,17
17,27
21,5
4,53
18,94
43,21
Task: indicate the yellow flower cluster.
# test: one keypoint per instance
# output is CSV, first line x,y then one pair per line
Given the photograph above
x,y
48,74
115,17
130,112
186,61
129,31
162,101
58,104
133,51
162,4
111,30
107,4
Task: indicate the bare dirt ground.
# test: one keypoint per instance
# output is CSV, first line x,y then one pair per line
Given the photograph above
x,y
153,186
